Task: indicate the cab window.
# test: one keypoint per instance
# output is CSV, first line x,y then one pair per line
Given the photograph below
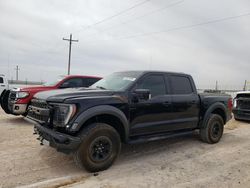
x,y
72,82
181,85
1,80
155,84
89,81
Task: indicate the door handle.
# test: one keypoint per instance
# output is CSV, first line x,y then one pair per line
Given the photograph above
x,y
3,85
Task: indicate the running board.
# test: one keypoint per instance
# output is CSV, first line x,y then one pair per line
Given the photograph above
x,y
149,138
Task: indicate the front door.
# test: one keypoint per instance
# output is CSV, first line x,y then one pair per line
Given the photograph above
x,y
151,116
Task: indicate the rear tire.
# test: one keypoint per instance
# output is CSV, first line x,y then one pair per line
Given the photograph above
x,y
212,132
100,147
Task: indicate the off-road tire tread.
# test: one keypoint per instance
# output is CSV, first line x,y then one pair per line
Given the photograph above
x,y
204,131
83,135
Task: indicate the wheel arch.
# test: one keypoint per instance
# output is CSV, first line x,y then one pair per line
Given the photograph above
x,y
103,114
216,108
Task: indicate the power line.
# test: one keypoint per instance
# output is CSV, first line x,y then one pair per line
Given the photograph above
x,y
117,14
70,43
142,16
185,27
139,17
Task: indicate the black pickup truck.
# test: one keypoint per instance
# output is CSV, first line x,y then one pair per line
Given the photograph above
x,y
125,107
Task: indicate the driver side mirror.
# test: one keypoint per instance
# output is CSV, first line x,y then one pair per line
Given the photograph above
x,y
142,94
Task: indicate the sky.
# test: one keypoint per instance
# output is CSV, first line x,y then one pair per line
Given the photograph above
x,y
208,39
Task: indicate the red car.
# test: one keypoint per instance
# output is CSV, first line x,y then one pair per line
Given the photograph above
x,y
17,101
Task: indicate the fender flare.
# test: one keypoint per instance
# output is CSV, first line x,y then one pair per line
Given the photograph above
x,y
100,110
217,105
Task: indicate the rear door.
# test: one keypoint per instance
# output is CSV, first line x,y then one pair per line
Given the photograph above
x,y
185,102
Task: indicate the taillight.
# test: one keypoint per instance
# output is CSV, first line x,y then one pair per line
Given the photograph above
x,y
230,104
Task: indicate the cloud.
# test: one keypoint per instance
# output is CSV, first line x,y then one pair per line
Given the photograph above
x,y
32,32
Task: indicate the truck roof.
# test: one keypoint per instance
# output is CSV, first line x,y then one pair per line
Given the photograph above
x,y
243,92
155,71
82,76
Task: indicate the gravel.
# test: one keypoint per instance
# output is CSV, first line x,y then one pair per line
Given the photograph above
x,y
178,162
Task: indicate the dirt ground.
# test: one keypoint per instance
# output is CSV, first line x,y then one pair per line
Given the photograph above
x,y
179,162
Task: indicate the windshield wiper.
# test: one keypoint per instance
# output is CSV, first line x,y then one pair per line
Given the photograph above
x,y
100,87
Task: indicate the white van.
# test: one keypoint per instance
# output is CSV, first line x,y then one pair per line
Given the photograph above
x,y
3,83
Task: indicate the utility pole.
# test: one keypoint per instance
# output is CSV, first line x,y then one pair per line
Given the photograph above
x,y
216,86
17,69
245,86
70,43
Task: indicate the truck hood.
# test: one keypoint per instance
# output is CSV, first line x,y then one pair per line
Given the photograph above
x,y
36,89
59,95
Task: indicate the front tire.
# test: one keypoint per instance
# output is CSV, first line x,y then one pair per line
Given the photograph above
x,y
4,101
100,147
213,130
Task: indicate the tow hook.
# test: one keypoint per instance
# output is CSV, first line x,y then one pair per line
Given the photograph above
x,y
41,143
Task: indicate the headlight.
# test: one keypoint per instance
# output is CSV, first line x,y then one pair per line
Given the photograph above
x,y
235,103
63,113
22,94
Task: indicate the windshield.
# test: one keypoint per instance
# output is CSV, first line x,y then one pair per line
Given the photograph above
x,y
53,83
118,81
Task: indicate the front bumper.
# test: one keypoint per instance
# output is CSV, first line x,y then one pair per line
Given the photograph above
x,y
14,107
241,114
62,142
17,109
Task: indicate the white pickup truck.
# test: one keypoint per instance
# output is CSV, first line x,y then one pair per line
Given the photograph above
x,y
3,83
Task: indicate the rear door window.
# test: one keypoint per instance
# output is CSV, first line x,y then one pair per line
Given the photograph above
x,y
180,85
1,80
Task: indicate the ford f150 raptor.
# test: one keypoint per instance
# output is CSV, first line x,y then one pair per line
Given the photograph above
x,y
126,107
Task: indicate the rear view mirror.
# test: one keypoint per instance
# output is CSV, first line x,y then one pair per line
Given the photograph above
x,y
143,94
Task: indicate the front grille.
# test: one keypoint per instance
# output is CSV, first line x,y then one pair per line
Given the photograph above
x,y
243,103
39,103
11,100
12,96
38,117
39,111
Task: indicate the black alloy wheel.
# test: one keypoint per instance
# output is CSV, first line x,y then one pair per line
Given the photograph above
x,y
101,144
213,130
100,149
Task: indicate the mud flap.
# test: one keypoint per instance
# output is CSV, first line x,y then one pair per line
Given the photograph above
x,y
4,101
